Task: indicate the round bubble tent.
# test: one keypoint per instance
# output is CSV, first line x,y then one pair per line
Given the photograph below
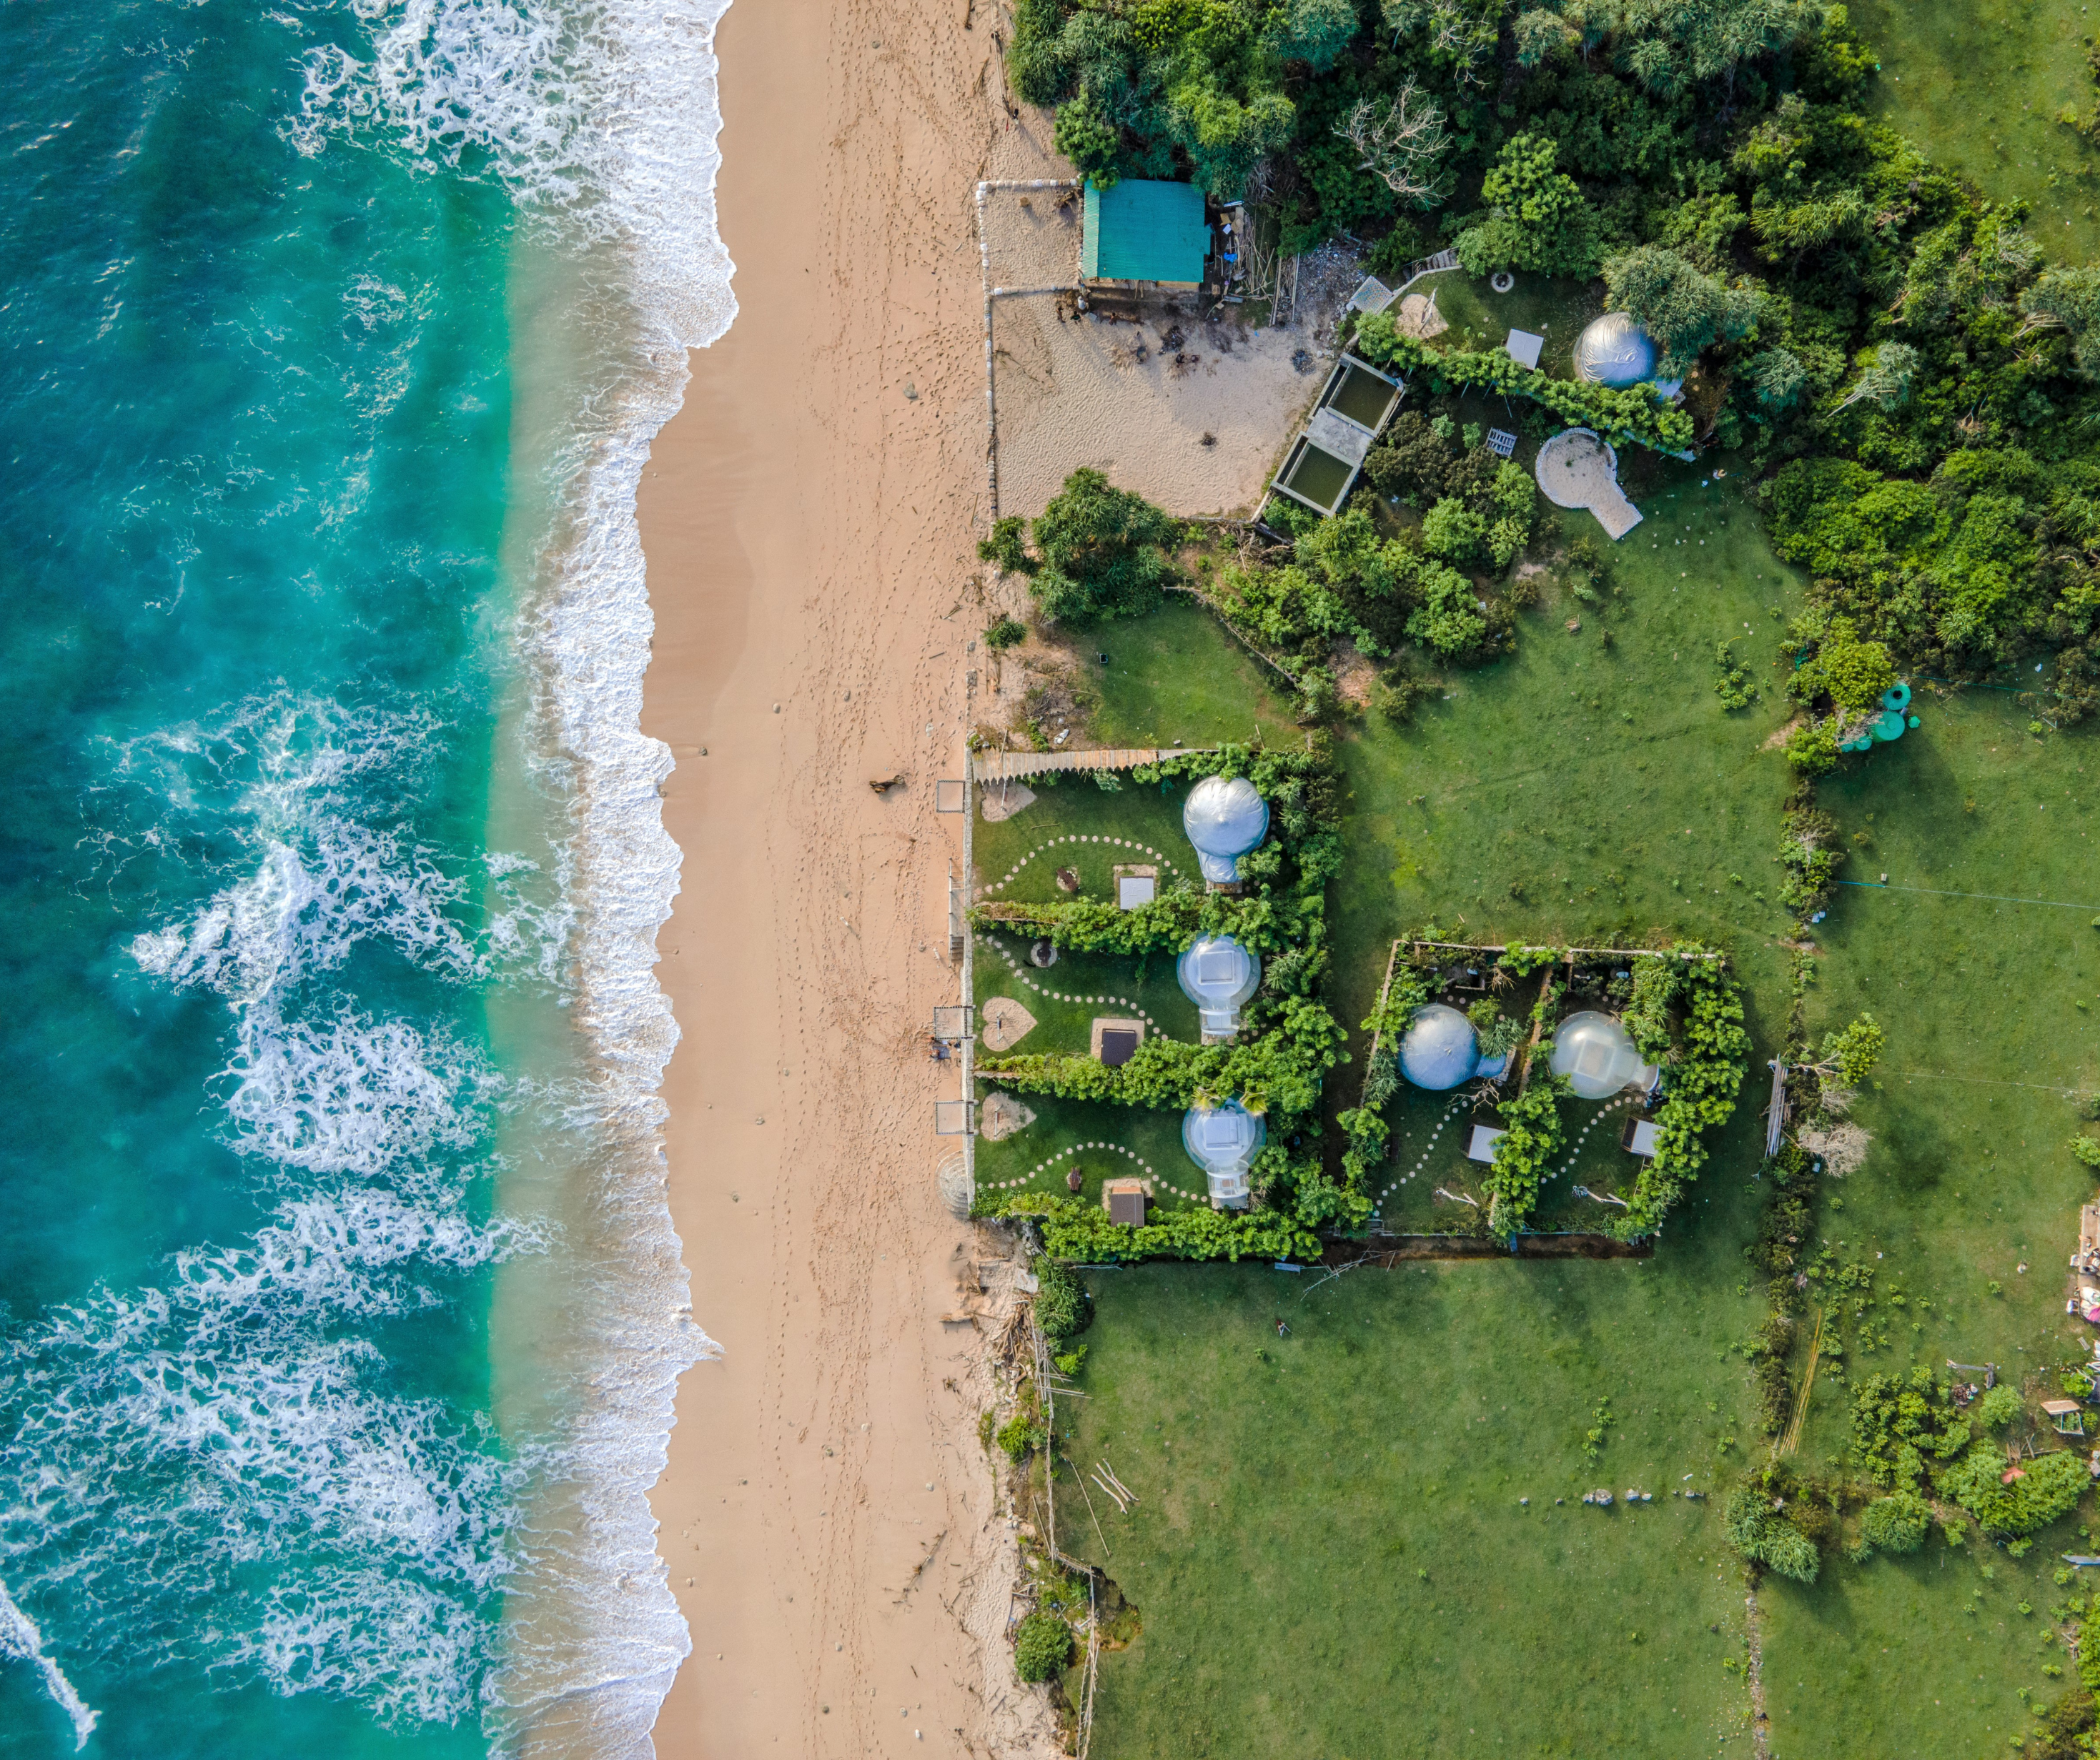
x,y
1224,817
1223,1140
1440,1050
1615,351
1219,976
1597,1056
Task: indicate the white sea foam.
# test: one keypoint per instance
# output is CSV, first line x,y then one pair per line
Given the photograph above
x,y
352,1095
600,117
206,1470
19,1638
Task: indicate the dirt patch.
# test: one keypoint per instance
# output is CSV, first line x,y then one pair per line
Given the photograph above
x,y
1781,735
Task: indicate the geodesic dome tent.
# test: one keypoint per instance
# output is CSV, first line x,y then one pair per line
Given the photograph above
x,y
1223,818
1615,351
1217,976
1597,1056
1223,1140
1440,1048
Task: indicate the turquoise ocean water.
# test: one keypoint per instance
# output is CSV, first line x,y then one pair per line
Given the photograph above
x,y
342,1308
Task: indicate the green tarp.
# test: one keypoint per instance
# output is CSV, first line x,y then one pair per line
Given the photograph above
x,y
1141,230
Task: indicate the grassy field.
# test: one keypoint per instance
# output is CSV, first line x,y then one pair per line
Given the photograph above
x,y
1978,88
1481,318
1295,1488
1329,1554
1590,787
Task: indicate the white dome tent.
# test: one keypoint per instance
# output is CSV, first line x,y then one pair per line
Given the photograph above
x,y
1440,1048
1598,1057
1217,976
1223,1140
1615,351
1224,818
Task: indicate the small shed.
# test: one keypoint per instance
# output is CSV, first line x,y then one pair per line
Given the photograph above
x,y
1115,1041
1639,1138
1142,230
1124,1200
1523,348
1480,1146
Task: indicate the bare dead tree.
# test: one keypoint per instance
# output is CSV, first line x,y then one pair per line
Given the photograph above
x,y
1403,141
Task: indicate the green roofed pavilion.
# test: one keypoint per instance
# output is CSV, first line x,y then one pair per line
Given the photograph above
x,y
1142,230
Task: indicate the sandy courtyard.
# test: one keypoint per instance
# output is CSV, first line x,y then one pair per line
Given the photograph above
x,y
1197,427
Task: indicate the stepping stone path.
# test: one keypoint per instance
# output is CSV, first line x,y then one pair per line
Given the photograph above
x,y
1575,1151
1056,1164
1020,972
1013,873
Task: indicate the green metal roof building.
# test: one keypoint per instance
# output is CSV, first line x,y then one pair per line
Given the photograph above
x,y
1141,230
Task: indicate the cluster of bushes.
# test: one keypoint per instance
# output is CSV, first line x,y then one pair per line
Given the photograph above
x,y
1910,1437
1621,416
1893,344
1701,1079
1809,852
1532,1134
1082,1233
1287,1043
1063,1310
1837,679
1346,581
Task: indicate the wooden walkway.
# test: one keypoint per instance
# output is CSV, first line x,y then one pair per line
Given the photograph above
x,y
1004,766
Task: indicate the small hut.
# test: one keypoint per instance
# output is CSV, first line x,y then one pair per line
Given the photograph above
x,y
1140,230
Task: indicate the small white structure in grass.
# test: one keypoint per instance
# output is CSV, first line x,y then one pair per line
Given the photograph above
x,y
1523,348
1480,1146
1224,818
1219,976
1597,1056
1223,1140
1640,1138
1134,889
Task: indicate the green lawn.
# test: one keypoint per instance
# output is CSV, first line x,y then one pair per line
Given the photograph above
x,y
1481,318
1968,1180
1978,87
1329,1556
1582,790
1599,792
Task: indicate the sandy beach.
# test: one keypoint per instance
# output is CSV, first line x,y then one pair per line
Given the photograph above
x,y
809,519
829,1516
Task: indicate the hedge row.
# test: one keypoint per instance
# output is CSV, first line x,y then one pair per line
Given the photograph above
x,y
1619,416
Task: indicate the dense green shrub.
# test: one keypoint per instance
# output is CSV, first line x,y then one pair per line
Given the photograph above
x,y
1083,1233
1533,1134
1898,1522
1762,1534
1999,1406
1042,1646
1100,552
1062,1308
1809,851
2048,1488
1008,632
1701,1085
1619,416
1537,219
